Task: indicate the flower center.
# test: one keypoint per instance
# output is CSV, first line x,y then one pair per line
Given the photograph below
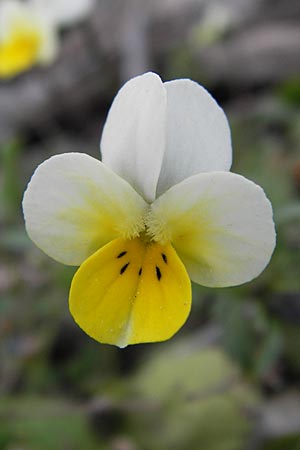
x,y
156,229
149,227
141,246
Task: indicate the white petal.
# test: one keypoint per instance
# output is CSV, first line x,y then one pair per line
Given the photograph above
x,y
74,205
221,226
10,11
133,138
49,42
64,12
198,134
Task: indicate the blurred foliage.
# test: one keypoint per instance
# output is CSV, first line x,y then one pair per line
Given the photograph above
x,y
290,91
10,187
291,441
198,397
44,424
181,395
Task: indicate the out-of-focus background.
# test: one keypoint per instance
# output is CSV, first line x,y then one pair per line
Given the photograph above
x,y
230,379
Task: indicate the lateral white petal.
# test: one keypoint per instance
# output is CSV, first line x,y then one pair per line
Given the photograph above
x,y
220,224
198,135
74,205
133,139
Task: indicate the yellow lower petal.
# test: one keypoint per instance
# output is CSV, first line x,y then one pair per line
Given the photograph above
x,y
131,291
19,52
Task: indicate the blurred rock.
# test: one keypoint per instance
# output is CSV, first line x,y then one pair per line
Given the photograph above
x,y
7,278
263,54
256,43
281,416
68,88
123,443
286,306
271,10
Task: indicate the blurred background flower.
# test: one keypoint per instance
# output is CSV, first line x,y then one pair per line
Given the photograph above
x,y
29,31
64,12
230,379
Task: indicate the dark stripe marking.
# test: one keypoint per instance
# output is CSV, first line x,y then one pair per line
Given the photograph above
x,y
164,258
158,273
124,268
140,272
121,254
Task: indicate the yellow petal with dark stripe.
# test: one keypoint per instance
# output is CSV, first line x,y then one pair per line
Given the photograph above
x,y
130,292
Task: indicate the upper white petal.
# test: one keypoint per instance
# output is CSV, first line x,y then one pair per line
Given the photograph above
x,y
133,139
197,136
74,205
220,224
